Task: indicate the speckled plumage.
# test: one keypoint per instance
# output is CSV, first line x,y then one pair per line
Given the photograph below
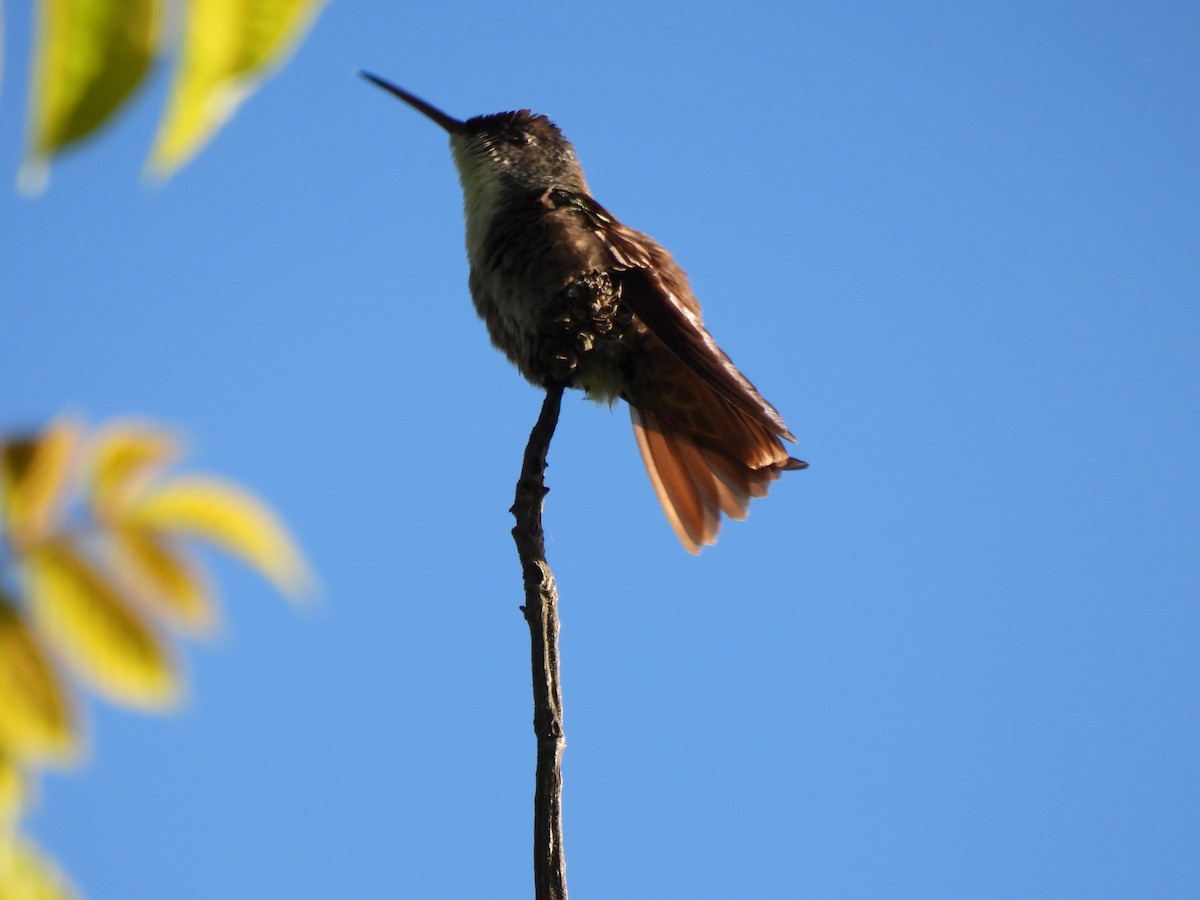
x,y
571,295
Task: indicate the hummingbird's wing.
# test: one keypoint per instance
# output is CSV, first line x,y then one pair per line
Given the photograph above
x,y
709,440
657,291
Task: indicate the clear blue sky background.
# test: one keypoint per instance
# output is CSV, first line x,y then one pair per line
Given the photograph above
x,y
957,245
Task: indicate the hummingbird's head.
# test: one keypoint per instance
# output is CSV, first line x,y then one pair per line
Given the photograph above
x,y
521,149
505,151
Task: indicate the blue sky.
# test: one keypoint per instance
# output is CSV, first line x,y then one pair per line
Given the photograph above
x,y
956,245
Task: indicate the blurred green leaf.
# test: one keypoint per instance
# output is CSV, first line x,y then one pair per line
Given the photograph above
x,y
12,790
124,455
35,474
37,723
169,584
90,56
230,517
94,629
229,46
25,874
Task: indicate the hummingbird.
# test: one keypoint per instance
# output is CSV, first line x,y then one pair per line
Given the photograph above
x,y
572,296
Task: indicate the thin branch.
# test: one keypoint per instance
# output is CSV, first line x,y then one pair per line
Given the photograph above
x,y
541,612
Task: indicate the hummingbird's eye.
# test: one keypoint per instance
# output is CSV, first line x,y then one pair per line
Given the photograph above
x,y
521,139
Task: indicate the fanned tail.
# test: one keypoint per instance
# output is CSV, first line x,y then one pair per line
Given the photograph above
x,y
697,482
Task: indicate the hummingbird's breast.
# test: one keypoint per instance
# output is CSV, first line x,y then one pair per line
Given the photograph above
x,y
544,288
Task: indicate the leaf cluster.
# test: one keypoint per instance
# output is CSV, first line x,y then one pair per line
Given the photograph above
x,y
91,57
98,572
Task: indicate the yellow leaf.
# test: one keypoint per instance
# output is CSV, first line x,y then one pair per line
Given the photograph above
x,y
231,518
91,55
25,874
124,456
16,457
36,477
95,630
229,46
36,720
12,791
164,578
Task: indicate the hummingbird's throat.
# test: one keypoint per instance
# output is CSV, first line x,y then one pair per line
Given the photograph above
x,y
483,192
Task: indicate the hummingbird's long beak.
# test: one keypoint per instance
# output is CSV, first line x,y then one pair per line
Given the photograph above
x,y
450,123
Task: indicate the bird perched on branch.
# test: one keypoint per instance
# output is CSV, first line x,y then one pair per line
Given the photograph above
x,y
572,296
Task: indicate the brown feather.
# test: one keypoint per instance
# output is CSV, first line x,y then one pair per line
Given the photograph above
x,y
657,291
705,456
716,495
695,484
665,488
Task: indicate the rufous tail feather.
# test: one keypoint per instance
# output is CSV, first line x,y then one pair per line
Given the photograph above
x,y
697,483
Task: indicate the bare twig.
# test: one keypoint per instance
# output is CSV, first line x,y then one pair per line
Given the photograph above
x,y
541,612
